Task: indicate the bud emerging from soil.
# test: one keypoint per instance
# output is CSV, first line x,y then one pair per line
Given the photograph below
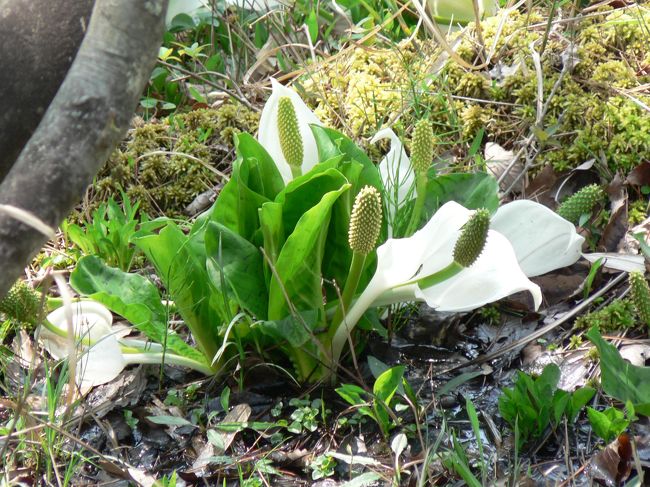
x,y
365,221
290,139
472,238
580,203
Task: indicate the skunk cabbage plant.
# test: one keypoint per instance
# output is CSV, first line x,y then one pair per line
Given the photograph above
x,y
285,262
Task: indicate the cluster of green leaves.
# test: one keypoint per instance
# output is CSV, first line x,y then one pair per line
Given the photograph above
x,y
381,404
534,404
109,232
263,268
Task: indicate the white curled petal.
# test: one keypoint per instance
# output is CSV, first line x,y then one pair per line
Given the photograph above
x,y
495,275
97,364
101,363
425,252
90,320
619,262
269,137
395,169
543,240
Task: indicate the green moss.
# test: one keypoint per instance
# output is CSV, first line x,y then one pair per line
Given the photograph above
x,y
588,115
618,315
637,212
165,164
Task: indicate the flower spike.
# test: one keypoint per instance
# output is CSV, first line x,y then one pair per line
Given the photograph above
x,y
290,139
580,203
640,292
471,242
365,221
422,147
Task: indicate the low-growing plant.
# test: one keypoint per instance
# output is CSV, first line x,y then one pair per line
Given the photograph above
x,y
534,404
607,424
379,405
109,232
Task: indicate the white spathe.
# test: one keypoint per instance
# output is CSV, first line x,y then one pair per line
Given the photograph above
x,y
269,136
99,362
543,241
495,274
396,175
193,7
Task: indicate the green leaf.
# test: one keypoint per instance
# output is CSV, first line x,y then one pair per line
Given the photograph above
x,y
272,234
131,296
299,264
473,191
607,424
387,383
332,143
295,330
240,263
620,379
180,262
171,421
312,26
579,399
255,181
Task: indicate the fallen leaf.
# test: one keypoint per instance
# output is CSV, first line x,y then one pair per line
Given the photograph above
x,y
619,262
497,162
222,439
612,465
617,226
640,175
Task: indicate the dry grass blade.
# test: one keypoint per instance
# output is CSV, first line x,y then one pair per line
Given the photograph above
x,y
28,219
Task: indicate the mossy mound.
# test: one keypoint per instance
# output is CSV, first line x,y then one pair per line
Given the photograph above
x,y
165,164
595,109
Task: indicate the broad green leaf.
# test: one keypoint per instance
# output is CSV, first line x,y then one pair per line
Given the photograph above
x,y
264,177
255,181
621,379
332,143
171,421
387,383
180,264
299,264
273,235
240,264
579,399
132,296
473,191
306,191
294,330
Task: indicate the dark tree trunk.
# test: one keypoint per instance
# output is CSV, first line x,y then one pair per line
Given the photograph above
x,y
86,120
40,38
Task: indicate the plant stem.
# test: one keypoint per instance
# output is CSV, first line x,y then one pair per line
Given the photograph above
x,y
420,198
351,284
296,171
158,358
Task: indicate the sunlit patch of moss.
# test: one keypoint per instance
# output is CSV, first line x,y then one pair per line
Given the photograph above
x,y
617,315
165,164
588,115
614,73
637,212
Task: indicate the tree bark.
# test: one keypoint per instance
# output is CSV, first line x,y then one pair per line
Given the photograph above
x,y
40,38
87,118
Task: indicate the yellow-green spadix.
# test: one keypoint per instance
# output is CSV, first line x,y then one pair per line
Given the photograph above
x,y
269,130
365,221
